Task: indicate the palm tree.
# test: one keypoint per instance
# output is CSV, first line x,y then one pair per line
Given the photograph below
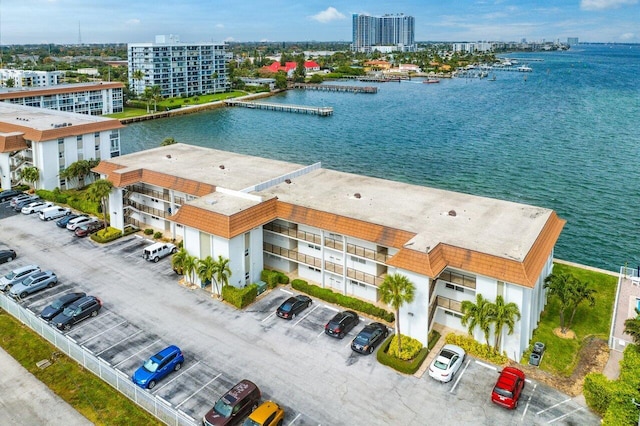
x,y
79,170
632,327
580,292
138,75
477,315
146,96
31,175
98,192
189,266
396,290
156,94
206,269
559,285
177,260
502,314
221,272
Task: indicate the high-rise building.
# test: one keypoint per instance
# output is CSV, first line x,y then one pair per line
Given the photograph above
x,y
384,33
180,69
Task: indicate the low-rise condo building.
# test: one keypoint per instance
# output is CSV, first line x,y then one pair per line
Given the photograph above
x,y
343,231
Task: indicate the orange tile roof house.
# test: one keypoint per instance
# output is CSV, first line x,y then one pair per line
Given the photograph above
x,y
339,230
290,67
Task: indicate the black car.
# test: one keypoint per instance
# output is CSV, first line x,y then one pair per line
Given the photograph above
x,y
77,311
7,255
21,204
62,223
341,324
370,337
59,304
293,306
9,194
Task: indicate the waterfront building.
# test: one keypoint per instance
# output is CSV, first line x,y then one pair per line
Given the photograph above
x,y
51,140
343,231
481,47
83,98
179,69
30,78
289,68
385,33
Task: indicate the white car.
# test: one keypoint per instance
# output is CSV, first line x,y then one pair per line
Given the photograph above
x,y
36,206
445,365
80,220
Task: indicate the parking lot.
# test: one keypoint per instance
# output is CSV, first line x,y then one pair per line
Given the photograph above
x,y
316,378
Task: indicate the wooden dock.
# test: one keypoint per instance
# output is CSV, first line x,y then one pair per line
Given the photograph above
x,y
335,88
321,111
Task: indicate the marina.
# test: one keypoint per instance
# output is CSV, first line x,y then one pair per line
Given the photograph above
x,y
300,109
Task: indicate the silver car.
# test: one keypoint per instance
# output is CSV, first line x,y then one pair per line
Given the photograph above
x,y
445,365
38,281
17,275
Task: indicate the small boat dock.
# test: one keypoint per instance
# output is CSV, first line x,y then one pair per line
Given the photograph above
x,y
321,111
335,88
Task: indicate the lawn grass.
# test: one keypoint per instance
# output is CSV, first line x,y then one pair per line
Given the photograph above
x,y
128,113
561,355
88,394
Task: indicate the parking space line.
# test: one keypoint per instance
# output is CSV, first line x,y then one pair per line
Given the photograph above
x,y
491,367
102,332
177,375
116,344
204,386
321,333
565,415
131,356
331,308
460,376
308,313
294,420
88,321
528,401
553,406
270,315
286,291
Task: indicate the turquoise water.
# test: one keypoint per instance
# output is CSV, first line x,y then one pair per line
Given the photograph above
x,y
565,136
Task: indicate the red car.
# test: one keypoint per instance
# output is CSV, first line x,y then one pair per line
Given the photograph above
x,y
508,388
89,228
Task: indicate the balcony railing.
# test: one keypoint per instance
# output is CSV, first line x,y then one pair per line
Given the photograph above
x,y
146,209
155,194
294,233
452,305
293,255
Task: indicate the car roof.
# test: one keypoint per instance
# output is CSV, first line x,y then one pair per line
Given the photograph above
x,y
83,300
263,411
167,351
26,267
70,296
239,391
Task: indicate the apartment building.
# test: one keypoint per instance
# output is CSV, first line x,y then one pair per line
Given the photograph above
x,y
385,33
83,98
29,78
51,140
343,231
179,69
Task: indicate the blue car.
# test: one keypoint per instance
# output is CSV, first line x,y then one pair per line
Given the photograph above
x,y
155,368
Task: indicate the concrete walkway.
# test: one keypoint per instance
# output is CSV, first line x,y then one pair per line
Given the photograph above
x,y
25,400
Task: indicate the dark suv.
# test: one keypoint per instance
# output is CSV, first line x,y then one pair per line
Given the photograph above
x,y
234,405
77,311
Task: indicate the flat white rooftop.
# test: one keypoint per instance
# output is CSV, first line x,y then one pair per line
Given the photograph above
x,y
43,119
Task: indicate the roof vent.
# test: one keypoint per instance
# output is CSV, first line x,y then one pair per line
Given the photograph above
x,y
168,155
452,213
357,195
221,166
287,180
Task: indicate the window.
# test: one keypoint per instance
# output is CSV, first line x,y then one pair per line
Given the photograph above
x,y
453,314
312,246
454,287
357,259
314,269
60,141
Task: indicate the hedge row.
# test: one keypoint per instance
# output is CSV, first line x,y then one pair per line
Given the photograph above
x,y
613,399
240,297
106,235
339,299
273,278
406,367
476,349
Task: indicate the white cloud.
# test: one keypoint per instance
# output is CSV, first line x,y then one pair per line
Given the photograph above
x,y
134,21
605,4
331,14
229,39
627,36
219,26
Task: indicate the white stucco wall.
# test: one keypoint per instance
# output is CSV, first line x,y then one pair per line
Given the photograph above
x,y
5,171
414,317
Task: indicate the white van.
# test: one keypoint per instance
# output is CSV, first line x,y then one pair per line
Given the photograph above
x,y
53,212
157,251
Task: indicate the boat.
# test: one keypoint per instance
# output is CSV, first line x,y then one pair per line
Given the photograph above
x,y
493,78
524,68
431,81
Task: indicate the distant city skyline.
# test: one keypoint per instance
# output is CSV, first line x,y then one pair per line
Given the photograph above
x,y
118,21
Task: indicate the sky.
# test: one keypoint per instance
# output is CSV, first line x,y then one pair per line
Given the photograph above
x,y
135,21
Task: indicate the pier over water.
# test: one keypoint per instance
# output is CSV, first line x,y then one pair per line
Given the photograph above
x,y
335,88
321,111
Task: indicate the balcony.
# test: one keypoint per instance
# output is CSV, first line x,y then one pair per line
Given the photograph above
x,y
141,208
450,304
155,194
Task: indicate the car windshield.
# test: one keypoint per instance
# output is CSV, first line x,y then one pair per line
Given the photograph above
x,y
503,392
151,365
222,408
69,311
441,365
250,422
286,307
10,275
57,304
362,339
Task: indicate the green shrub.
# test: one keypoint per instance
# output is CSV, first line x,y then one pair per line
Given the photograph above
x,y
240,297
406,367
410,348
157,235
434,336
597,392
283,278
56,196
476,349
273,278
148,231
106,235
345,301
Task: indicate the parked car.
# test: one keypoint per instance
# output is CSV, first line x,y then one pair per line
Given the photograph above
x,y
36,207
88,228
22,197
157,251
25,202
80,220
59,304
267,414
79,310
53,212
8,194
62,223
7,255
234,406
293,306
158,366
369,337
508,388
35,282
341,324
445,365
17,275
